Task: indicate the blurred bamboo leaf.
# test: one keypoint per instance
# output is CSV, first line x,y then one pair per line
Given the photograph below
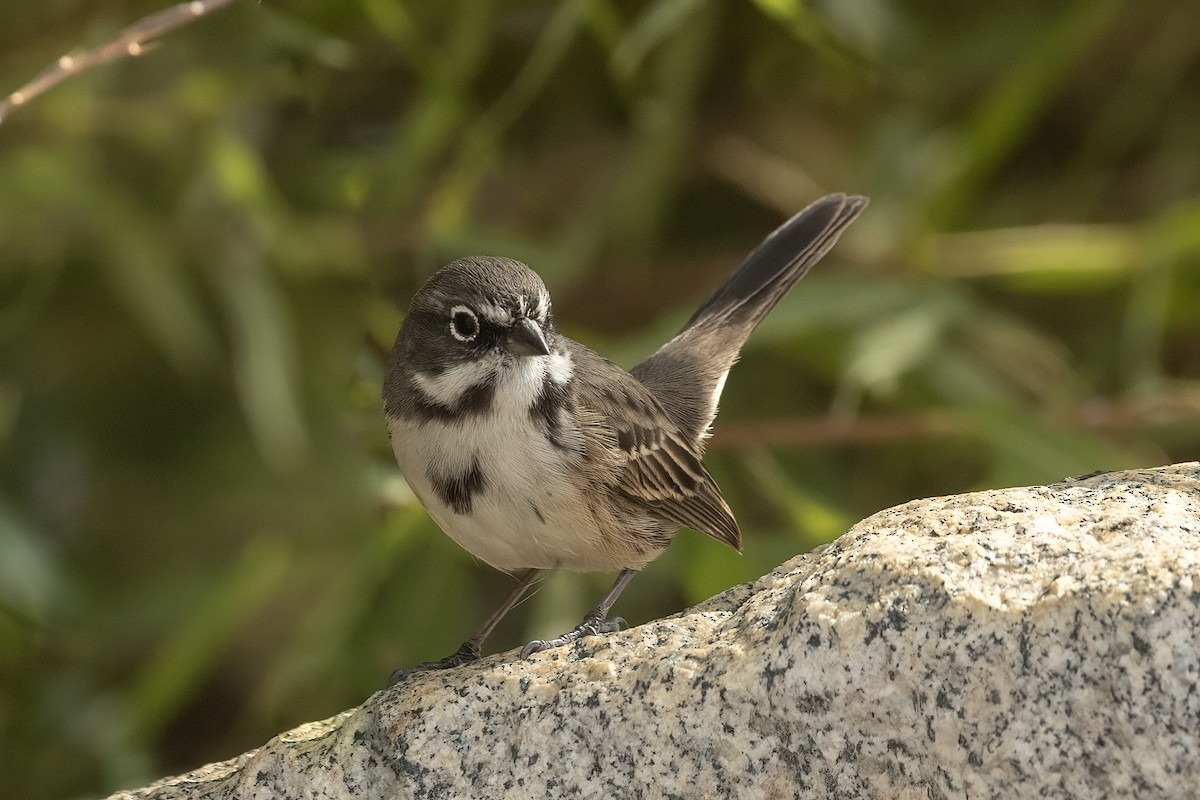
x,y
10,405
393,19
175,671
708,567
1034,450
482,139
963,379
264,357
1144,329
31,583
656,25
662,117
893,347
238,175
289,31
26,297
147,275
555,603
1178,228
440,107
833,299
813,520
1055,249
1007,113
547,55
340,602
1140,91
800,19
1027,360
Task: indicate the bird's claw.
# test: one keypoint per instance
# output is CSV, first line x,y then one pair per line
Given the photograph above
x,y
586,628
464,655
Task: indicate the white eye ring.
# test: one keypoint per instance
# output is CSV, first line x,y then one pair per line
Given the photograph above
x,y
464,325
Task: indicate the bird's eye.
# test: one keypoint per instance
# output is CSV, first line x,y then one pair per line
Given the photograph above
x,y
463,324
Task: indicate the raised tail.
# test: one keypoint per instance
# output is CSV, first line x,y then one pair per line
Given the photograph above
x,y
783,258
688,372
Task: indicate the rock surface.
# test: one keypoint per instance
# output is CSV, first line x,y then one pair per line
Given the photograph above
x,y
1042,641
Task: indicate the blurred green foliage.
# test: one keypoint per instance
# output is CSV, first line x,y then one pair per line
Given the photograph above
x,y
204,252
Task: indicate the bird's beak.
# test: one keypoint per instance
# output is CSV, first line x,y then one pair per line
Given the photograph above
x,y
525,339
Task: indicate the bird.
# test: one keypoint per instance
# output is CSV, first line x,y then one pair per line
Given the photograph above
x,y
533,452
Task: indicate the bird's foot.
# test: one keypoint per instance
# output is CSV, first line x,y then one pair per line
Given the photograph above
x,y
464,655
589,627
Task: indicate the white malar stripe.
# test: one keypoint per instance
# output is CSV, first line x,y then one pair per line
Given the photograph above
x,y
448,386
560,367
519,383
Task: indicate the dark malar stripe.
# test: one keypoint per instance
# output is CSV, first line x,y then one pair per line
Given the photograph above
x,y
475,401
547,411
459,491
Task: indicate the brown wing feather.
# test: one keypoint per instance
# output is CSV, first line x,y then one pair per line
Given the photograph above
x,y
671,480
660,470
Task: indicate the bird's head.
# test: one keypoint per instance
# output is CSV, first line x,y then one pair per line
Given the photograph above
x,y
478,308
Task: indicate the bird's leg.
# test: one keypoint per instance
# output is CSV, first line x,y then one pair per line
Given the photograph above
x,y
471,648
594,622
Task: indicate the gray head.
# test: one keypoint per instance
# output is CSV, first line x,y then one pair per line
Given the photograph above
x,y
472,308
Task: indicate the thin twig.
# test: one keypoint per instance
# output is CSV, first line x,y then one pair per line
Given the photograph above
x,y
133,41
826,431
1169,407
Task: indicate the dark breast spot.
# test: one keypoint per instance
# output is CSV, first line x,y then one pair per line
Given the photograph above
x,y
459,491
478,399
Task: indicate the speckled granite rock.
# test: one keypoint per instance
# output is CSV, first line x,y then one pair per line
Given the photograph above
x,y
1015,643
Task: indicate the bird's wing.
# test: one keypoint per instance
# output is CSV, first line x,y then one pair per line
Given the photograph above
x,y
663,473
657,467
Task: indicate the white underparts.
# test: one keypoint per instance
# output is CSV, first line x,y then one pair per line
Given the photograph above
x,y
530,512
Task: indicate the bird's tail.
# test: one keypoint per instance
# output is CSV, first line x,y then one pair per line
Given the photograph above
x,y
773,267
688,372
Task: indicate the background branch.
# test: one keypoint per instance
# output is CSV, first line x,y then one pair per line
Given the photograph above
x,y
1168,407
133,41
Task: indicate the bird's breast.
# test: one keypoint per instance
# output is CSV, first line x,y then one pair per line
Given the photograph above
x,y
509,484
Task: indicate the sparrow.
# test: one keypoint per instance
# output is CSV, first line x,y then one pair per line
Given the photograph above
x,y
533,452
